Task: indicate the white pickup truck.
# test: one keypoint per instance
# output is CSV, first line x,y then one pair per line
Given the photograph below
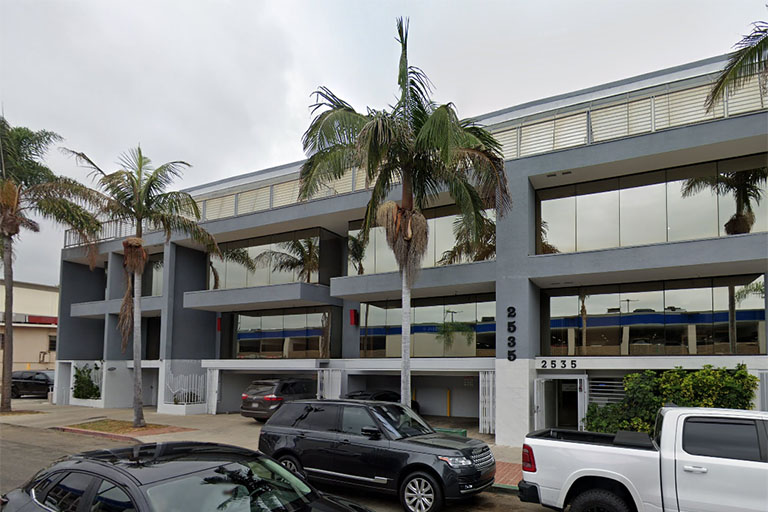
x,y
698,460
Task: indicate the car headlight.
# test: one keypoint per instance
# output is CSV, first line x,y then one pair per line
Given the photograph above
x,y
456,462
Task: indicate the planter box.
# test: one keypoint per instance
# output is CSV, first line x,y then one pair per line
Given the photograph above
x,y
85,402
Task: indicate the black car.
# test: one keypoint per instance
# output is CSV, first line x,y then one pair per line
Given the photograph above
x,y
31,382
381,395
263,397
170,477
378,446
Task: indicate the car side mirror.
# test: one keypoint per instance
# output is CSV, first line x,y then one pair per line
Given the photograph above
x,y
371,432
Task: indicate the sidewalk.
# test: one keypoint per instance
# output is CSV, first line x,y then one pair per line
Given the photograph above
x,y
221,428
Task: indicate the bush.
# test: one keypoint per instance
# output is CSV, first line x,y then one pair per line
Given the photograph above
x,y
84,385
647,391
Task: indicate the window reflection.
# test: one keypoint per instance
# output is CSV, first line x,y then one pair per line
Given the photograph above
x,y
665,318
291,334
670,205
440,327
152,280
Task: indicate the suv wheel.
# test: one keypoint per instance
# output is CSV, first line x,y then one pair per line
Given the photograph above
x,y
598,500
419,492
292,464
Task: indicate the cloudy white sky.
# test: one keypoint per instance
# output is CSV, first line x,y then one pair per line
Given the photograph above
x,y
226,85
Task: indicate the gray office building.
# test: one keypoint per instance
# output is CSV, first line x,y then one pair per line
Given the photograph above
x,y
604,266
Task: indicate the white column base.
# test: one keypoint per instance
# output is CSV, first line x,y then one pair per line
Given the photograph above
x,y
514,400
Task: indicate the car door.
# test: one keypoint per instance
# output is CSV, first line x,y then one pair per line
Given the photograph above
x,y
39,384
721,464
363,460
315,436
26,384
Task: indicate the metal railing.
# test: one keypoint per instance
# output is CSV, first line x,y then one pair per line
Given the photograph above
x,y
185,389
110,230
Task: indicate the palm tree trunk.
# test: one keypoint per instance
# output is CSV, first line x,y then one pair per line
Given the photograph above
x,y
732,318
138,405
584,326
5,406
405,368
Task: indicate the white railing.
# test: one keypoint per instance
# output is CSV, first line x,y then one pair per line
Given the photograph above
x,y
185,389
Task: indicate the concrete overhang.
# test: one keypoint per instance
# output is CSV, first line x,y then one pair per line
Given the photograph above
x,y
263,365
419,365
467,278
712,257
291,295
150,307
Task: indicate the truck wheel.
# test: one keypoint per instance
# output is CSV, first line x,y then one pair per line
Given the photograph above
x,y
419,492
598,500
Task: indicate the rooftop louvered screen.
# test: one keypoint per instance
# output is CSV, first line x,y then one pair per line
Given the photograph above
x,y
253,200
285,193
220,207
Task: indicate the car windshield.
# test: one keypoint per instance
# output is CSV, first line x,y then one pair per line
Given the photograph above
x,y
400,422
254,485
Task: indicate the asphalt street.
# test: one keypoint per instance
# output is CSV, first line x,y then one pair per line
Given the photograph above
x,y
25,450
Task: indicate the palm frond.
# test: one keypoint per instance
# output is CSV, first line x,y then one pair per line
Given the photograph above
x,y
749,59
171,223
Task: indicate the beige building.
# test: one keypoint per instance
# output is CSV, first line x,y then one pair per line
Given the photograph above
x,y
35,319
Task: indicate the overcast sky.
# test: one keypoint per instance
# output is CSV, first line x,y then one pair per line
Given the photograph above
x,y
226,85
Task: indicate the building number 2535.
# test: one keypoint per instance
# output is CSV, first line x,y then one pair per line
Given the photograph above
x,y
511,329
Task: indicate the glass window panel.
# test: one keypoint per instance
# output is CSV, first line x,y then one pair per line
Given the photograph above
x,y
559,222
597,220
443,235
727,208
217,273
385,259
280,276
294,322
486,312
236,275
272,323
428,314
367,261
248,323
643,215
110,498
602,335
430,257
259,277
642,322
694,216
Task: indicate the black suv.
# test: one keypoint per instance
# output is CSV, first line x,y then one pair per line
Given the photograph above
x,y
31,382
379,446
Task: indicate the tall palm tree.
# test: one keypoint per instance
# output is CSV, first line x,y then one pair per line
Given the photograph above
x,y
747,188
300,256
137,193
28,188
749,59
415,143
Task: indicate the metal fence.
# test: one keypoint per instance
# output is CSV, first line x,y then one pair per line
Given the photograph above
x,y
185,389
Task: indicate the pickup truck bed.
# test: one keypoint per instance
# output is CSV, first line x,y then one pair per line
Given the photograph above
x,y
626,439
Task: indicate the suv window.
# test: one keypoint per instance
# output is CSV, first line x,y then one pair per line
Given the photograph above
x,y
353,419
288,388
41,377
110,498
723,438
67,494
322,417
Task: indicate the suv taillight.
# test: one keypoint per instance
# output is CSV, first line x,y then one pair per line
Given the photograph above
x,y
244,396
273,398
529,462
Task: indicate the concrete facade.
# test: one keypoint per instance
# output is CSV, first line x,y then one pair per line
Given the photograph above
x,y
191,330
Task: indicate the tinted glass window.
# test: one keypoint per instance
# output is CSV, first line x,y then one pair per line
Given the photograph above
x,y
41,377
66,495
261,388
289,415
110,498
353,420
322,417
724,439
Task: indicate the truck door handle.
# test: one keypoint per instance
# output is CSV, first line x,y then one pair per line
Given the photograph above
x,y
695,469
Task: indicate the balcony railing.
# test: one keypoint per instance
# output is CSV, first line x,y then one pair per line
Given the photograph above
x,y
110,230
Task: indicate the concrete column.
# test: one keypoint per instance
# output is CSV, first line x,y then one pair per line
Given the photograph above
x,y
571,341
692,347
625,340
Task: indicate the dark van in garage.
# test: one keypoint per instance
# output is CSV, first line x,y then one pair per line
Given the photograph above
x,y
379,446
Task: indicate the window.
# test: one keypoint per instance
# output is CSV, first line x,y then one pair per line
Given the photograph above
x,y
289,415
110,498
66,495
722,438
41,377
353,420
321,417
51,343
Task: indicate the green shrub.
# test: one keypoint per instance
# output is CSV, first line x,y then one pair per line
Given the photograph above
x,y
645,392
84,385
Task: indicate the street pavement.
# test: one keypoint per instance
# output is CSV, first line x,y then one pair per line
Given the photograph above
x,y
27,444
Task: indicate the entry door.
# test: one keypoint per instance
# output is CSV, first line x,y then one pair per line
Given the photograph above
x,y
546,399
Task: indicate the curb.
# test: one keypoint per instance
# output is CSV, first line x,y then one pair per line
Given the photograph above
x,y
115,437
504,489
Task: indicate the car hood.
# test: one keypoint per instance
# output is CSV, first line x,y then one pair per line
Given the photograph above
x,y
330,503
440,443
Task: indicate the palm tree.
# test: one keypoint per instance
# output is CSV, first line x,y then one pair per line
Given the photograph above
x,y
356,246
415,143
239,256
137,193
756,288
747,188
300,256
29,188
749,59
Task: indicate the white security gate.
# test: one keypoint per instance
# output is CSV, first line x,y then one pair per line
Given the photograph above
x,y
545,399
488,402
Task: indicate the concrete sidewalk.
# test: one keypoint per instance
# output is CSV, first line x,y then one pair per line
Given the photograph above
x,y
221,428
